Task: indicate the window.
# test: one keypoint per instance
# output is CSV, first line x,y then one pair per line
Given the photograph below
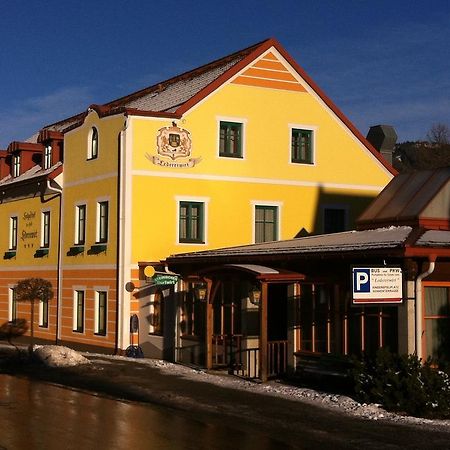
x,y
230,139
334,220
43,314
100,312
12,305
78,311
302,146
102,222
16,165
191,222
93,144
266,223
80,224
47,157
437,323
192,314
45,229
13,233
156,313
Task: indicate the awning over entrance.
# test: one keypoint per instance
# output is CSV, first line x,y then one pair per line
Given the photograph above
x,y
262,273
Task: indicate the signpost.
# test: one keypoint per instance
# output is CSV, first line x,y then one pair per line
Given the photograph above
x,y
377,285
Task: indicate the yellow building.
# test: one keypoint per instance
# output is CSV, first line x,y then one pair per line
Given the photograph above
x,y
244,149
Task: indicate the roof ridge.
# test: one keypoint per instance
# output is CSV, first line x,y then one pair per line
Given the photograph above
x,y
196,71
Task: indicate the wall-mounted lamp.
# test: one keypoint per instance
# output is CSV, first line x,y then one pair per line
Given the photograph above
x,y
255,295
200,291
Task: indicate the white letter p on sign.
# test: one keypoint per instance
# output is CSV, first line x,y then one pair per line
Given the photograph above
x,y
361,278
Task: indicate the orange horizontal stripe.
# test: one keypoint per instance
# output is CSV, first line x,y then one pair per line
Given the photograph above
x,y
270,84
275,65
270,74
270,56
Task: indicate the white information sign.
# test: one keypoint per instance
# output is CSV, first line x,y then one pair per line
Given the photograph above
x,y
372,285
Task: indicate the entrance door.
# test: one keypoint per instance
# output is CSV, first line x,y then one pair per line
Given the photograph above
x,y
227,325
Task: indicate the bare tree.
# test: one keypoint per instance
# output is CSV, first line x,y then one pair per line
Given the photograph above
x,y
439,134
32,290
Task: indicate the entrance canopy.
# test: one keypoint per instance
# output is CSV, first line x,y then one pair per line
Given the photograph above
x,y
262,273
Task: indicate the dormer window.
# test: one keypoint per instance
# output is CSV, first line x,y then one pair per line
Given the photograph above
x,y
47,157
16,165
93,144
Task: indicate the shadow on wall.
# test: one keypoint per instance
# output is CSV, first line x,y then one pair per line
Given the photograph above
x,y
335,212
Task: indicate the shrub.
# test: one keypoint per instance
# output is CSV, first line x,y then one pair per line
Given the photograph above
x,y
402,383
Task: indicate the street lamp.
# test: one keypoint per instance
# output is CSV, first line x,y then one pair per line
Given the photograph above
x,y
255,295
200,291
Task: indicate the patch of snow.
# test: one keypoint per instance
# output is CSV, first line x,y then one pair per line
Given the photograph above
x,y
59,356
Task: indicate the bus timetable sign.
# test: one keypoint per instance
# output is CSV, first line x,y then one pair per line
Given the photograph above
x,y
377,285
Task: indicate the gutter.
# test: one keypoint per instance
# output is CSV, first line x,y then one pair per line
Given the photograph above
x,y
419,303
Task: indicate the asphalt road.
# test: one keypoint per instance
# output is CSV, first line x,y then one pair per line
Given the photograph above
x,y
283,423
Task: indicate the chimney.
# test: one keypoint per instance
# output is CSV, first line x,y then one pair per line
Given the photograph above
x,y
383,138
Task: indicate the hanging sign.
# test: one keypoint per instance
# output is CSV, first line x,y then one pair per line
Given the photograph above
x,y
377,285
164,280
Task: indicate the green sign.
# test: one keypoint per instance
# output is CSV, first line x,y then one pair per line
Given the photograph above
x,y
164,280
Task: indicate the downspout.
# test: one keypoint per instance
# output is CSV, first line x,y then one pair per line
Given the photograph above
x,y
418,310
119,253
58,264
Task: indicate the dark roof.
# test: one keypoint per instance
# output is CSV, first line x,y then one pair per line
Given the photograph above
x,y
348,241
410,198
400,241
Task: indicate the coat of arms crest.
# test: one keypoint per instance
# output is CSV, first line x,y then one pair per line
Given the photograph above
x,y
173,142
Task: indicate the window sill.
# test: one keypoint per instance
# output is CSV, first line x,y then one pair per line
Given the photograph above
x,y
78,331
76,250
225,155
41,252
9,254
188,241
96,249
305,163
100,334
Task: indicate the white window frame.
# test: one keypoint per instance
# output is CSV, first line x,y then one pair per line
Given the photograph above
x,y
91,154
48,156
41,314
277,205
205,201
77,219
97,290
77,289
98,223
11,289
13,233
16,162
313,129
243,122
45,213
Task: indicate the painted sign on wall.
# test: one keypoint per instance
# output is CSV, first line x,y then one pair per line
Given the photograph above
x,y
375,285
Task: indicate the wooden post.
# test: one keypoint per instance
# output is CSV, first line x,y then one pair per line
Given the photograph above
x,y
263,333
209,325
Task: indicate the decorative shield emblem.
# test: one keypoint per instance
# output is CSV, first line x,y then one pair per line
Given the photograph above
x,y
173,142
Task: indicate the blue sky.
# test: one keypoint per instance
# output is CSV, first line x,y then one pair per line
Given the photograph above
x,y
380,61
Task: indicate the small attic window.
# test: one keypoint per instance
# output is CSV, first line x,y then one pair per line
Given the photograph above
x,y
15,167
47,157
93,144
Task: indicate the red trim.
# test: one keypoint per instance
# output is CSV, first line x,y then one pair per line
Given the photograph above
x,y
426,252
49,135
434,224
24,146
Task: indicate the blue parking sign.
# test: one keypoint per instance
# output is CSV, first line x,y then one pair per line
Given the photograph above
x,y
361,280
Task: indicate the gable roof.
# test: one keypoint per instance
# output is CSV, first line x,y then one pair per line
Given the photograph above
x,y
415,198
173,97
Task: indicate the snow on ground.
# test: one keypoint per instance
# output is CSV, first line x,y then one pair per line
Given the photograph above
x,y
58,356
276,388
